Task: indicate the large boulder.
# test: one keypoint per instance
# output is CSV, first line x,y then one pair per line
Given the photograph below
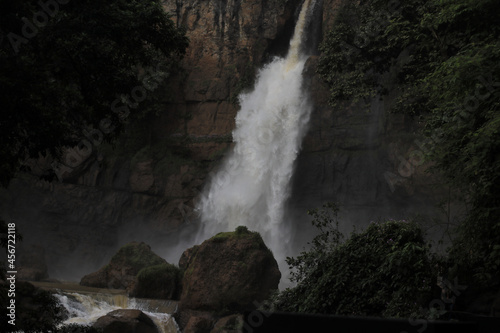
x,y
228,324
199,324
228,273
122,270
126,321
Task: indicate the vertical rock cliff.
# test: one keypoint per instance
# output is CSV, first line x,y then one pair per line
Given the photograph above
x,y
368,160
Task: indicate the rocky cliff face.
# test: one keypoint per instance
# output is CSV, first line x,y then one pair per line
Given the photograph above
x,y
369,161
229,41
145,187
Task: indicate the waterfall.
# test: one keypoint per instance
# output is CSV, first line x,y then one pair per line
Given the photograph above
x,y
252,185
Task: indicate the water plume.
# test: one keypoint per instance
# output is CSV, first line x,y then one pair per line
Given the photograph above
x,y
253,183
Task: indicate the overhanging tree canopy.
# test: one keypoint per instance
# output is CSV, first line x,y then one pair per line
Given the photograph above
x,y
69,64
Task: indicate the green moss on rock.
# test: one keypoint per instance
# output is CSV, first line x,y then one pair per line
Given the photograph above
x,y
159,281
137,256
121,271
241,232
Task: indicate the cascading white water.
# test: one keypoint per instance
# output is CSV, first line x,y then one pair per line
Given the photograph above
x,y
85,309
252,186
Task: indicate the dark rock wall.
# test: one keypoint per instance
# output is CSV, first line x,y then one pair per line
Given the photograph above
x,y
368,160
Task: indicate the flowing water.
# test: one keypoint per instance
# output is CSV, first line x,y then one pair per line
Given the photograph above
x,y
85,305
252,186
86,308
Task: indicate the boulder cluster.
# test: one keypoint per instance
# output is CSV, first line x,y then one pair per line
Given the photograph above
x,y
215,282
140,271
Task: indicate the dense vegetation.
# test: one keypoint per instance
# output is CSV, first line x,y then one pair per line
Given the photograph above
x,y
440,63
36,310
71,72
442,58
159,281
386,270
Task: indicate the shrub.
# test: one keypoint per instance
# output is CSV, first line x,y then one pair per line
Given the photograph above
x,y
37,310
386,270
160,281
438,60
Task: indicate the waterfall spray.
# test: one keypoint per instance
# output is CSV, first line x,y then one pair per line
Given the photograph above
x,y
252,186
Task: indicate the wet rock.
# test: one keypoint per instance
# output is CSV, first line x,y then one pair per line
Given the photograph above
x,y
228,324
195,321
187,256
198,325
126,321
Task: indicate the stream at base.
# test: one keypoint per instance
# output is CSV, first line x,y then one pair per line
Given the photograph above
x,y
85,305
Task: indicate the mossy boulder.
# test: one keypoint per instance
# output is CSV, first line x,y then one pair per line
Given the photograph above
x,y
122,270
229,272
160,281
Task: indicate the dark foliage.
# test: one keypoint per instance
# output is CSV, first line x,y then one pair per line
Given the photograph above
x,y
66,66
386,270
442,60
36,310
160,281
